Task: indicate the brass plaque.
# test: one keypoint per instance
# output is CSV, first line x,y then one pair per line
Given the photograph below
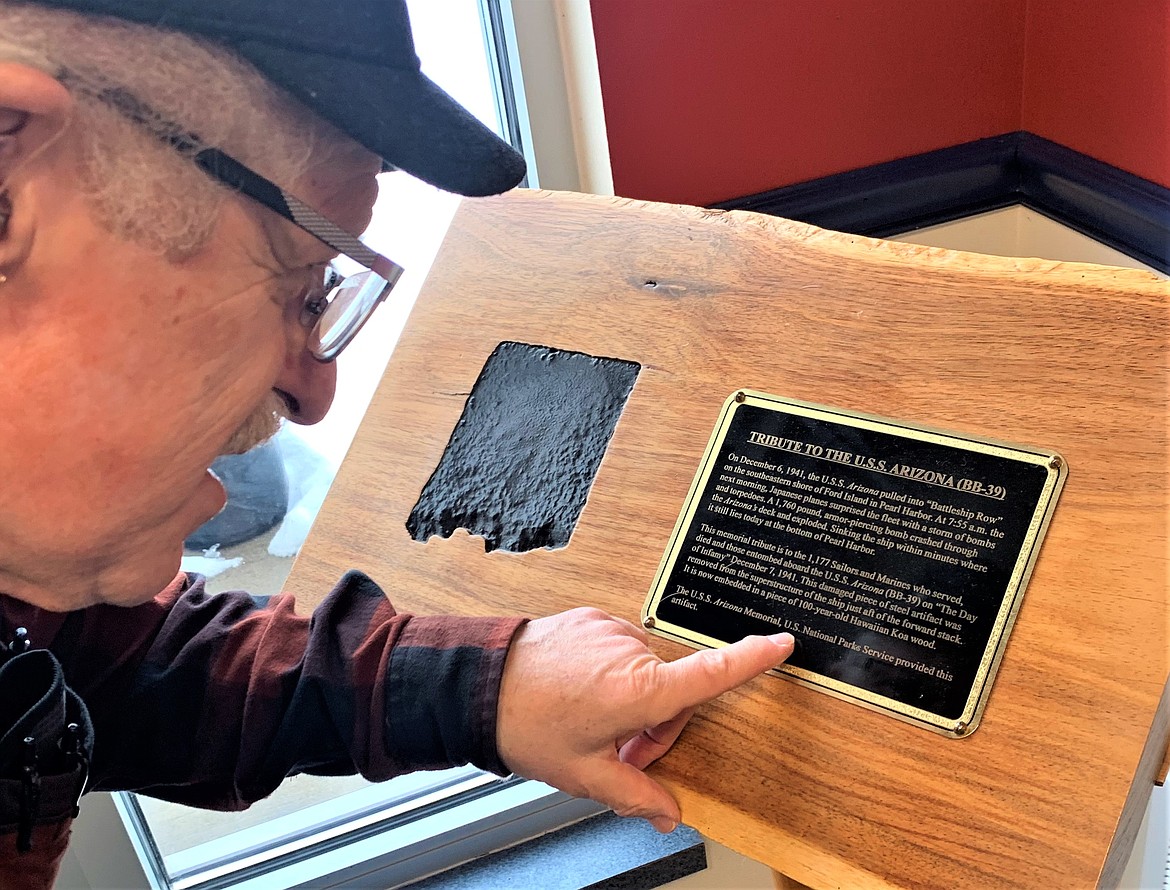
x,y
897,555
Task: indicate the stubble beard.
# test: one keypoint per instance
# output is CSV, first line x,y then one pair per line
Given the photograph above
x,y
260,426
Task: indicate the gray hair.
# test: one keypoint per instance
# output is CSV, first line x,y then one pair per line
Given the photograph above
x,y
143,189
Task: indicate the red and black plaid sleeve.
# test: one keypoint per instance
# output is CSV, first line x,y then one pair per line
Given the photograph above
x,y
212,700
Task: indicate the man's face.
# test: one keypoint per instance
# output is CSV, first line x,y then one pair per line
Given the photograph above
x,y
127,374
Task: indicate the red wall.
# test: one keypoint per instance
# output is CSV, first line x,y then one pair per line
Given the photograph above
x,y
708,100
1097,79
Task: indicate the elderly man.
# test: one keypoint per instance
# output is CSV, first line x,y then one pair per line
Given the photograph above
x,y
176,178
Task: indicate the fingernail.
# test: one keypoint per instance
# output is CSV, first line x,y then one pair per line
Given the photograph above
x,y
784,639
663,824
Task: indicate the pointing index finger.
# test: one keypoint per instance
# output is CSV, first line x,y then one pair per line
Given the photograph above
x,y
704,675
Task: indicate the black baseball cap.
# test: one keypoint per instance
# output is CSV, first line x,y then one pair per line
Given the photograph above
x,y
353,63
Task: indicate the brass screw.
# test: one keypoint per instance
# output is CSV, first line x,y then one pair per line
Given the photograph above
x,y
648,622
739,396
960,728
1056,463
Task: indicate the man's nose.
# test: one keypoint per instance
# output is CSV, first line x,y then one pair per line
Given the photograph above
x,y
310,383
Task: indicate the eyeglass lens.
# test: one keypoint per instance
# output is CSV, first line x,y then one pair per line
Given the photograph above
x,y
350,304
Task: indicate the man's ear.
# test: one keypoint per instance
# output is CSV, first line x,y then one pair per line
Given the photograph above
x,y
34,111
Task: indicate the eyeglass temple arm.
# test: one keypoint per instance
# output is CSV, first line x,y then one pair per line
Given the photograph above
x,y
228,170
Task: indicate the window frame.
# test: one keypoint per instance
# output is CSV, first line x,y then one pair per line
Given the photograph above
x,y
398,847
549,59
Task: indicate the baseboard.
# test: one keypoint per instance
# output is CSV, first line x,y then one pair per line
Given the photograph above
x,y
1110,205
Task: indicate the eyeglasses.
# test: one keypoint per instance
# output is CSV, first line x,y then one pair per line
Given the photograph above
x,y
335,311
338,309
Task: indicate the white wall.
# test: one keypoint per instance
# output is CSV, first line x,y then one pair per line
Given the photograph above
x,y
1018,231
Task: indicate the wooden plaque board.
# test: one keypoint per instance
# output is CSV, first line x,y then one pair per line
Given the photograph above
x,y
1051,789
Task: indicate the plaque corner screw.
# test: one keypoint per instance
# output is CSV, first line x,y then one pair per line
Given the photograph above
x,y
1056,462
740,396
960,728
648,622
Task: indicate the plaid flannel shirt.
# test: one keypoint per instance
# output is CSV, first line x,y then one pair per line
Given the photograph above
x,y
212,700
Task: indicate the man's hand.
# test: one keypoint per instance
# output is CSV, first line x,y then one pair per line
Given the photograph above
x,y
586,706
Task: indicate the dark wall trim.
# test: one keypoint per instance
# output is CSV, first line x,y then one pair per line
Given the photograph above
x,y
1117,208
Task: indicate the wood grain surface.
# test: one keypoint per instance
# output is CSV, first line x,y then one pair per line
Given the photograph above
x,y
1050,790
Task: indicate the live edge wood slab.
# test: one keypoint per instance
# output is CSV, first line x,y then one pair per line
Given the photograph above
x,y
1050,790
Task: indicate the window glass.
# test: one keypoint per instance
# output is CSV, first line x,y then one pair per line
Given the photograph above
x,y
410,219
